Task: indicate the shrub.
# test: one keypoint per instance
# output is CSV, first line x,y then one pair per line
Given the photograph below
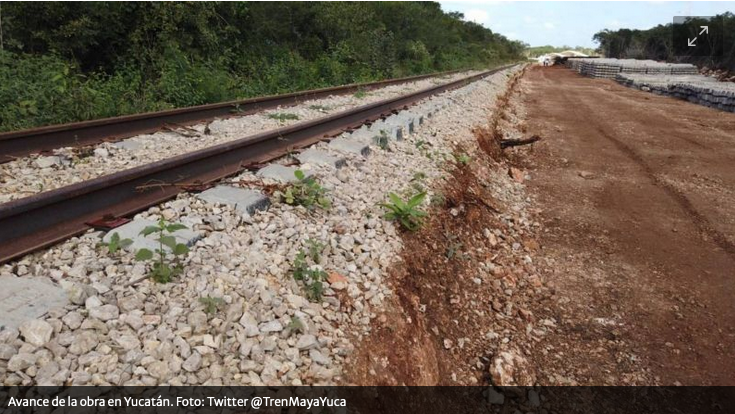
x,y
70,61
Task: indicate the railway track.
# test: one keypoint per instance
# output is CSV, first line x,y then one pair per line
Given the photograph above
x,y
47,218
17,144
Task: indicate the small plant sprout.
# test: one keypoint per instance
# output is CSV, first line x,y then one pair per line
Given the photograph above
x,y
419,176
453,246
116,243
462,158
405,212
315,248
424,148
283,117
417,182
306,192
312,276
163,268
296,325
211,304
438,199
361,93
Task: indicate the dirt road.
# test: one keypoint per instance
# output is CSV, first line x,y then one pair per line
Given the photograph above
x,y
637,194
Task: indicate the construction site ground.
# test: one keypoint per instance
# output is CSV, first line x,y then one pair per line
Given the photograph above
x,y
637,195
612,261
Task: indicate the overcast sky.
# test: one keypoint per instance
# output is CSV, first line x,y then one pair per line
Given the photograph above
x,y
561,23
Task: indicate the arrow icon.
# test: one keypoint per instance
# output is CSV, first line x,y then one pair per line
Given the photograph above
x,y
691,42
705,29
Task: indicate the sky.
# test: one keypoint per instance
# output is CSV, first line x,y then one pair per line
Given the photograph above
x,y
560,23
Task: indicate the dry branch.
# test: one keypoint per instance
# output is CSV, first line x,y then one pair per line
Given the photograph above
x,y
505,143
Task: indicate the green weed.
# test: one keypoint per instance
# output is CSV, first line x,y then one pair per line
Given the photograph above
x,y
296,325
164,268
417,182
454,246
306,192
211,304
310,276
438,199
315,249
418,176
406,213
116,243
462,158
283,117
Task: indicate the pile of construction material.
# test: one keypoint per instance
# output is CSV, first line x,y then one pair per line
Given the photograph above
x,y
610,68
718,95
702,90
679,80
659,84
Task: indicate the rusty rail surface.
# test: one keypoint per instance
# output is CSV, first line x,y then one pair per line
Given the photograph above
x,y
46,218
17,144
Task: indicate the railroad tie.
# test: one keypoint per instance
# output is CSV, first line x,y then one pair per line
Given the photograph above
x,y
243,200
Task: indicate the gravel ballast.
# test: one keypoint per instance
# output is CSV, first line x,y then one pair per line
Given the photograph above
x,y
263,330
34,174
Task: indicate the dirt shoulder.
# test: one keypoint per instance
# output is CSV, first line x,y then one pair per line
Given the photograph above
x,y
460,314
601,255
636,193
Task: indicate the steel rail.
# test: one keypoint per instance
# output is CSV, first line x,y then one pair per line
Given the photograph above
x,y
46,218
21,143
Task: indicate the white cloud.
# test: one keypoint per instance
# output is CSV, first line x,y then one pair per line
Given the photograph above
x,y
477,16
614,24
549,25
529,19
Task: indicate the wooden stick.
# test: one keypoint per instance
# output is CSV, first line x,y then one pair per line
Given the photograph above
x,y
505,143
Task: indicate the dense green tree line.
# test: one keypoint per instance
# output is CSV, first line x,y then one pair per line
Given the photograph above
x,y
70,61
656,43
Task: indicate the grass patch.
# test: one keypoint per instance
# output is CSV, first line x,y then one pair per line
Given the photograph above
x,y
283,116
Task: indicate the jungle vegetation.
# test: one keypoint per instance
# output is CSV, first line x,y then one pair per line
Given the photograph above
x,y
72,61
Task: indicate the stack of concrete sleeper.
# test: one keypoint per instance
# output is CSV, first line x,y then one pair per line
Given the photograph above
x,y
702,90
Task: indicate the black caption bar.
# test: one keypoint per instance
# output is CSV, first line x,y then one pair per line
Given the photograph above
x,y
404,400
